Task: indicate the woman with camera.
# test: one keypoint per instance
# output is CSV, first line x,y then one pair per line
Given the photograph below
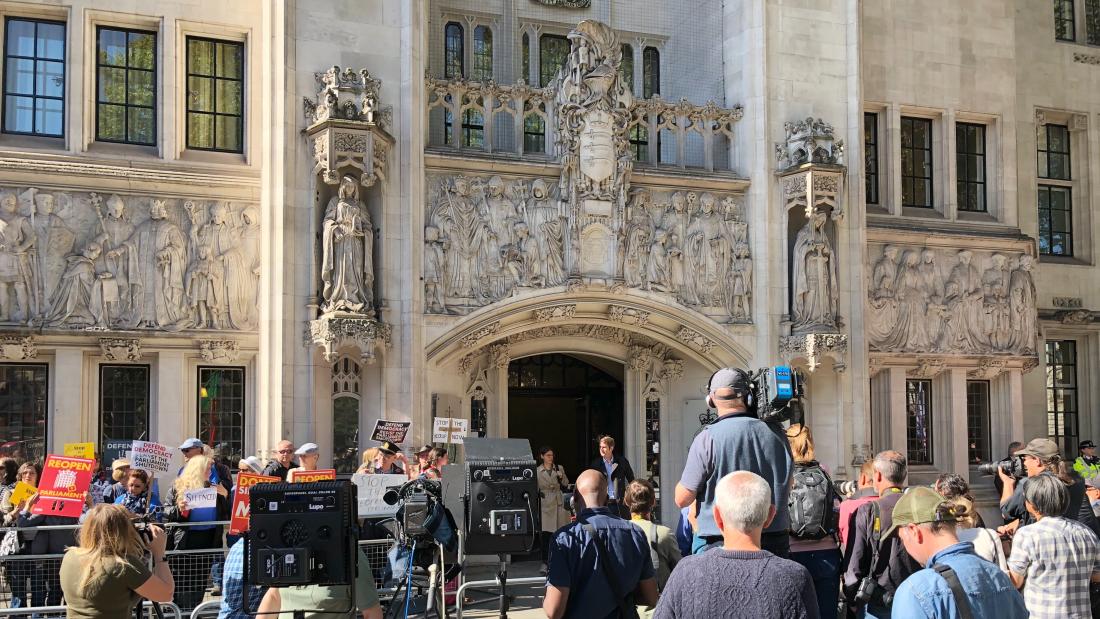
x,y
198,535
1040,456
552,485
106,575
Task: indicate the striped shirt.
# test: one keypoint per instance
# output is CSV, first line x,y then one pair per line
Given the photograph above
x,y
1057,556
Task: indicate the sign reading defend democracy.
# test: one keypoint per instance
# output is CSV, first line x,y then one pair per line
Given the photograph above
x,y
370,490
393,431
242,506
153,458
62,487
298,476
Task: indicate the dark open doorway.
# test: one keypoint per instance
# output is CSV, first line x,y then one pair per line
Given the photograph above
x,y
565,402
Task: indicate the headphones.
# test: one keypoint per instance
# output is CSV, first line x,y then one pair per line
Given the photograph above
x,y
742,388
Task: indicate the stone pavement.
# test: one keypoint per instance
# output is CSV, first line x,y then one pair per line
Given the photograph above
x,y
526,602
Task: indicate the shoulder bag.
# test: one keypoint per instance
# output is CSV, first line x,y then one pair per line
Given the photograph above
x,y
626,610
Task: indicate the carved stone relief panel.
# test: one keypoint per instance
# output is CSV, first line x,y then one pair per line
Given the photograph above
x,y
486,237
938,300
78,260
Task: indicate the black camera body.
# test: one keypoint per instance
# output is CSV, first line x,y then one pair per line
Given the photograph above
x,y
1013,466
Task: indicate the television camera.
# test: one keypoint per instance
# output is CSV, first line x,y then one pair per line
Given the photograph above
x,y
774,394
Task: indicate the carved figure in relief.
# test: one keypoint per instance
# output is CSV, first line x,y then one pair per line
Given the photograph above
x,y
657,264
434,271
522,258
912,304
998,314
53,242
466,237
501,215
223,240
16,276
545,219
707,252
1021,295
250,249
964,305
155,256
79,299
884,318
814,278
638,232
111,233
739,296
347,241
930,286
204,290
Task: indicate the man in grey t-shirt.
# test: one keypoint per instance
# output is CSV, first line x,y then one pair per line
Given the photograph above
x,y
737,441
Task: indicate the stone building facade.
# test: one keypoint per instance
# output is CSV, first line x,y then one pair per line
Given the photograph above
x,y
553,218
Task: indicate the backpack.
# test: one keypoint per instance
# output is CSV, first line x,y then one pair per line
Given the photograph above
x,y
811,503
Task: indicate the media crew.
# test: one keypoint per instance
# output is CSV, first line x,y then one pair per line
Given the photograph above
x,y
106,575
736,441
1042,455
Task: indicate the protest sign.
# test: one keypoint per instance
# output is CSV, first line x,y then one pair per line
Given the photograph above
x,y
198,499
370,490
80,450
114,449
21,492
449,430
238,523
153,458
393,431
298,476
62,487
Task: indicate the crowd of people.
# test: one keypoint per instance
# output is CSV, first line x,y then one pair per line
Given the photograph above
x,y
764,531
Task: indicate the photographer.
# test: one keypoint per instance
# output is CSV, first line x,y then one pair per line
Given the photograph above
x,y
106,575
1040,456
737,441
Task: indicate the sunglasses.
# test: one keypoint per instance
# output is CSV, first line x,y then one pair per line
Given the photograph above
x,y
285,451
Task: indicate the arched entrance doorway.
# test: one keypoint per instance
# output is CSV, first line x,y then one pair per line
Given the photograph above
x,y
565,401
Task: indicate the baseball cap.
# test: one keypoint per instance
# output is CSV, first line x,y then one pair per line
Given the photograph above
x,y
308,449
253,464
1087,445
191,443
1042,448
919,505
389,447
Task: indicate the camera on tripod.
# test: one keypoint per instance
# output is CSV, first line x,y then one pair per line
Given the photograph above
x,y
777,393
421,515
1013,466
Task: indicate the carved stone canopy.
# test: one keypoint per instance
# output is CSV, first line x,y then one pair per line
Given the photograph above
x,y
219,351
346,126
120,348
815,347
809,141
334,331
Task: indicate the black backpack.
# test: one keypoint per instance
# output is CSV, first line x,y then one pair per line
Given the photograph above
x,y
811,503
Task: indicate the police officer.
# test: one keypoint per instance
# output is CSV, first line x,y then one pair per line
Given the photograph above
x,y
1088,464
736,441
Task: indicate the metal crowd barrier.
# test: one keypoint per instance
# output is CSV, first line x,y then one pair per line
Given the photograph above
x,y
170,611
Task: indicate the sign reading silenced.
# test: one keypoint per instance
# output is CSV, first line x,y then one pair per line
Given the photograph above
x,y
62,487
242,505
371,489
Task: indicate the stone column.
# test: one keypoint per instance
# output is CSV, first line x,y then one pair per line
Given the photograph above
x,y
893,161
950,178
951,429
1006,411
632,443
175,419
69,363
896,412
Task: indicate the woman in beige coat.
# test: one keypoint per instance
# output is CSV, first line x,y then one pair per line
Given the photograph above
x,y
552,481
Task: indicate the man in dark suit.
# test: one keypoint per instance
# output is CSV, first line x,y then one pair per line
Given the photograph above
x,y
618,473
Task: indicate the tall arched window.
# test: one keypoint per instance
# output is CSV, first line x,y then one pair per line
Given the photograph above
x,y
626,68
525,51
483,55
347,379
651,72
453,65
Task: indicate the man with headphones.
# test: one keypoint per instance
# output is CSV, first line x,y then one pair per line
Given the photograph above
x,y
736,441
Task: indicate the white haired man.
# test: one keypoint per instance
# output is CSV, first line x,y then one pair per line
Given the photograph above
x,y
739,579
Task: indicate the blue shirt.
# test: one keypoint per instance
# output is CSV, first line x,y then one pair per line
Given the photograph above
x,y
988,589
738,442
574,563
607,466
684,534
233,586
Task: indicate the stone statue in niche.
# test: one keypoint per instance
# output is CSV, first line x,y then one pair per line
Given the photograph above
x,y
79,300
435,272
347,242
814,276
973,311
156,257
53,242
17,281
